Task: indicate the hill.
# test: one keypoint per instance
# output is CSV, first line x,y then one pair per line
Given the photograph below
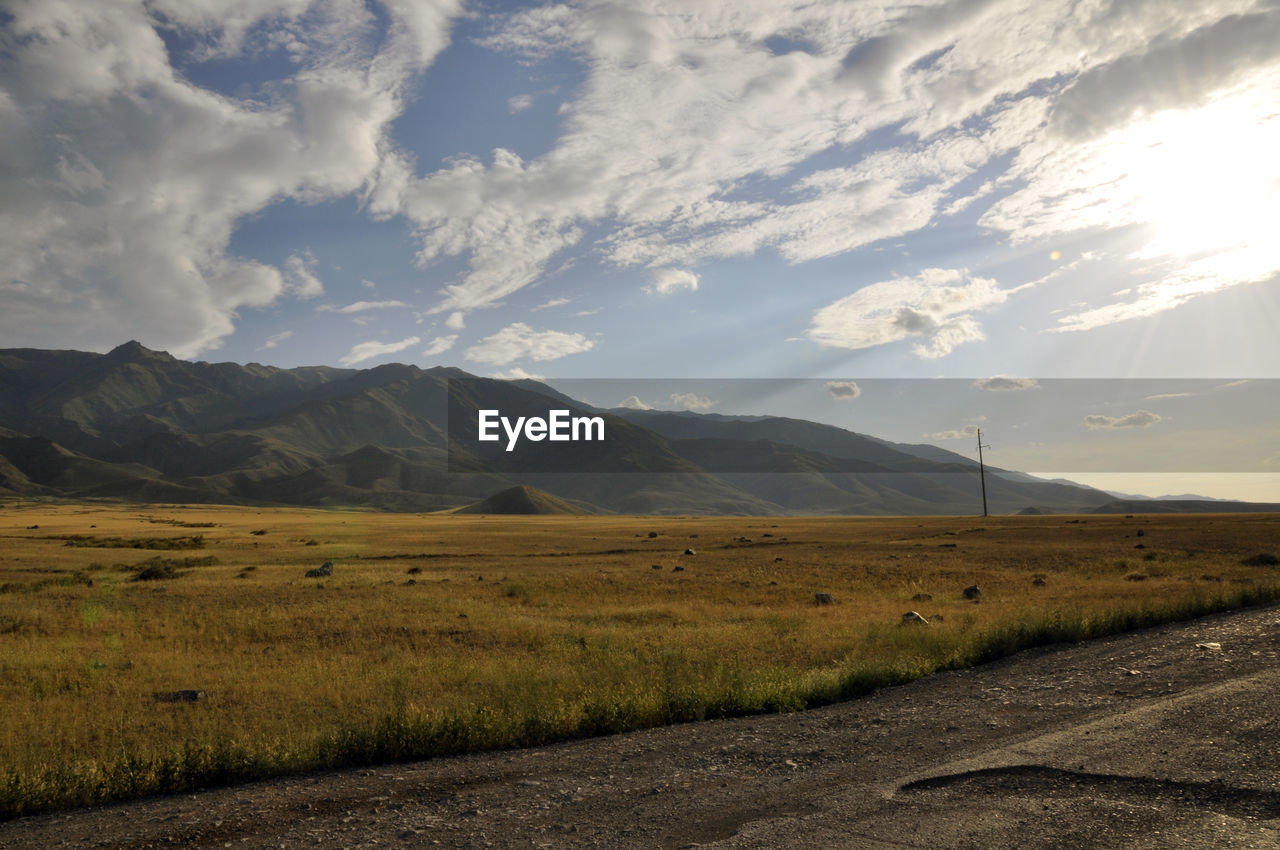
x,y
141,424
522,499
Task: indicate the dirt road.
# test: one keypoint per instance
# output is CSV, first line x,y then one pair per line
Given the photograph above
x,y
1162,738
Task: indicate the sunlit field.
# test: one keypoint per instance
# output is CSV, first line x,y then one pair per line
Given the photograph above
x,y
438,634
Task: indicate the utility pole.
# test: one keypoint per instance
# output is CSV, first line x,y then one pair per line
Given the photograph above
x,y
982,472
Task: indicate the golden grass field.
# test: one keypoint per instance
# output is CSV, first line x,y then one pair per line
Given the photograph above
x,y
442,633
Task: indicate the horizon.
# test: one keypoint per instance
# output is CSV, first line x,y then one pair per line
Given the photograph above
x,y
839,192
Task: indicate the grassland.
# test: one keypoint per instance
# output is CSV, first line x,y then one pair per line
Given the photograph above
x,y
445,633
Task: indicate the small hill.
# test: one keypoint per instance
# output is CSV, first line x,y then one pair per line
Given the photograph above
x,y
523,500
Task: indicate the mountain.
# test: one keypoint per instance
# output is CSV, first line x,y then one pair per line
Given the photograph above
x,y
142,425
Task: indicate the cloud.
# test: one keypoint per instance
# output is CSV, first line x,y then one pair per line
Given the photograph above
x,y
368,350
667,281
843,390
518,374
632,402
276,339
455,322
363,306
691,401
518,341
110,234
1005,383
1137,419
299,277
936,305
554,302
439,345
519,103
1159,396
968,432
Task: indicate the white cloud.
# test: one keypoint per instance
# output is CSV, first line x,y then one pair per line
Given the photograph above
x,y
843,390
368,350
363,306
110,234
1159,396
553,302
968,432
299,276
1137,419
691,401
667,281
1006,383
935,305
632,402
368,284
455,322
518,374
519,103
518,341
439,345
276,339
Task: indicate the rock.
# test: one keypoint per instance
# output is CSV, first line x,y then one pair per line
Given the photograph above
x,y
973,592
1039,581
690,552
677,569
823,599
935,618
411,581
922,597
947,545
1141,533
652,534
189,695
912,618
1140,546
1210,646
1262,559
325,569
655,566
744,539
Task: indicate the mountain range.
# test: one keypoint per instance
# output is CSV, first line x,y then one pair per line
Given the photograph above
x,y
141,425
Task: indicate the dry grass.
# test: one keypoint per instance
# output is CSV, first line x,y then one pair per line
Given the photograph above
x,y
446,633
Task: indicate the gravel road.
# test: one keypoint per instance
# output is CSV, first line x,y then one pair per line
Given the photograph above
x,y
1167,737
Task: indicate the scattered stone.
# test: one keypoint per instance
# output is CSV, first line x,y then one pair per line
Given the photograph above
x,y
1262,559
1141,533
936,618
778,560
912,618
32,527
690,552
766,534
744,539
677,569
947,545
973,592
823,599
652,534
189,695
1211,646
411,581
656,566
1135,577
322,571
413,571
1039,581
922,597
1140,546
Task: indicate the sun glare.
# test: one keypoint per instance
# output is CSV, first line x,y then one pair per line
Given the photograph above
x,y
1207,181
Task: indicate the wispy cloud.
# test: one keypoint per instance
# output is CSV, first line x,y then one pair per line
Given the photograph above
x,y
632,402
368,350
518,341
1006,384
691,401
362,307
439,345
276,339
1137,419
667,281
968,432
553,302
937,306
843,390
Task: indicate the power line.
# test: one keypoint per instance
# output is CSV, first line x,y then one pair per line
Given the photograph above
x,y
982,472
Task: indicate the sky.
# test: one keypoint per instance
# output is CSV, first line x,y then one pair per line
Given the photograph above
x,y
818,191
